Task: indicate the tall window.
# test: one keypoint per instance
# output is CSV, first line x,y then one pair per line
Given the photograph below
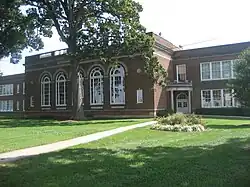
x,y
117,87
6,89
60,90
217,70
218,98
96,86
181,72
32,101
205,71
17,88
17,105
226,69
228,98
45,91
23,87
6,105
206,99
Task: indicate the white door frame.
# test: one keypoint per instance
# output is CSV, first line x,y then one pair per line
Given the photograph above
x,y
183,103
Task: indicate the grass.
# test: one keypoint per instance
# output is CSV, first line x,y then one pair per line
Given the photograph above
x,y
18,134
218,157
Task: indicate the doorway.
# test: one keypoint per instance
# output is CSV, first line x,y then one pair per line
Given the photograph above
x,y
182,103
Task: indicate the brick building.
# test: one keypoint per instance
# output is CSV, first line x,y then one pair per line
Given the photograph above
x,y
197,77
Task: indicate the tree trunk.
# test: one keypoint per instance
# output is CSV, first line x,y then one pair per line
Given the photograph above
x,y
74,87
72,44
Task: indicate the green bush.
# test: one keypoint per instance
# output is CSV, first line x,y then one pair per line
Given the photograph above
x,y
178,128
180,119
180,123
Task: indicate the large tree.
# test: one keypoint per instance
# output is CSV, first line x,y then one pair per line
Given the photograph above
x,y
241,83
99,29
18,30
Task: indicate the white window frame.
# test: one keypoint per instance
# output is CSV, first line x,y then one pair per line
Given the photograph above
x,y
23,105
58,82
4,105
18,88
222,99
221,70
6,89
100,78
32,101
177,71
139,96
17,105
112,78
46,80
23,88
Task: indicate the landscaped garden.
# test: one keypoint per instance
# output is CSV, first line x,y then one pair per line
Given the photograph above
x,y
18,134
218,156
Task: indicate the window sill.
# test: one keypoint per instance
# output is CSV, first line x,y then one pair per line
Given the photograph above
x,y
61,108
219,79
115,104
96,107
46,108
121,107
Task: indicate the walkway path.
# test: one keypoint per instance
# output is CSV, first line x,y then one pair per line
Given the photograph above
x,y
22,153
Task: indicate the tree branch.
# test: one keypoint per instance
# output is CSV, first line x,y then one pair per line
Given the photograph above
x,y
55,20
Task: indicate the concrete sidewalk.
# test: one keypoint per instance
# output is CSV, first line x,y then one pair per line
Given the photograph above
x,y
22,153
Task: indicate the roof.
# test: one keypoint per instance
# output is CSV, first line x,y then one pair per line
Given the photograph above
x,y
213,50
12,77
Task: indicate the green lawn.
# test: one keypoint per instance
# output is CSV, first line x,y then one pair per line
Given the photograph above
x,y
219,157
17,134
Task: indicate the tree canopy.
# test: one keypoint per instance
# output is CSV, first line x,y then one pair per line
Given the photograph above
x,y
99,29
241,83
18,30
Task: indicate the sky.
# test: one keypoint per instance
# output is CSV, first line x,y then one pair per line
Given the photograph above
x,y
192,24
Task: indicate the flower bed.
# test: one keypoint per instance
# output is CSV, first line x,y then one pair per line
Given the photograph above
x,y
180,123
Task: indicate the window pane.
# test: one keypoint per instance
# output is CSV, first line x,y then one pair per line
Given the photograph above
x,y
181,72
217,101
234,62
206,99
226,69
205,71
228,99
185,104
139,95
96,86
179,104
216,70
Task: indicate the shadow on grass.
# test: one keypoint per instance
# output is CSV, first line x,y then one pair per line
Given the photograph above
x,y
229,126
9,123
197,166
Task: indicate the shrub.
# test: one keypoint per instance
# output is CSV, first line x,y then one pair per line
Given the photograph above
x,y
180,123
178,128
180,119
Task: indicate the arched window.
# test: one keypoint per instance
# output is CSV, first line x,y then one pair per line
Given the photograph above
x,y
96,86
45,91
117,87
60,89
